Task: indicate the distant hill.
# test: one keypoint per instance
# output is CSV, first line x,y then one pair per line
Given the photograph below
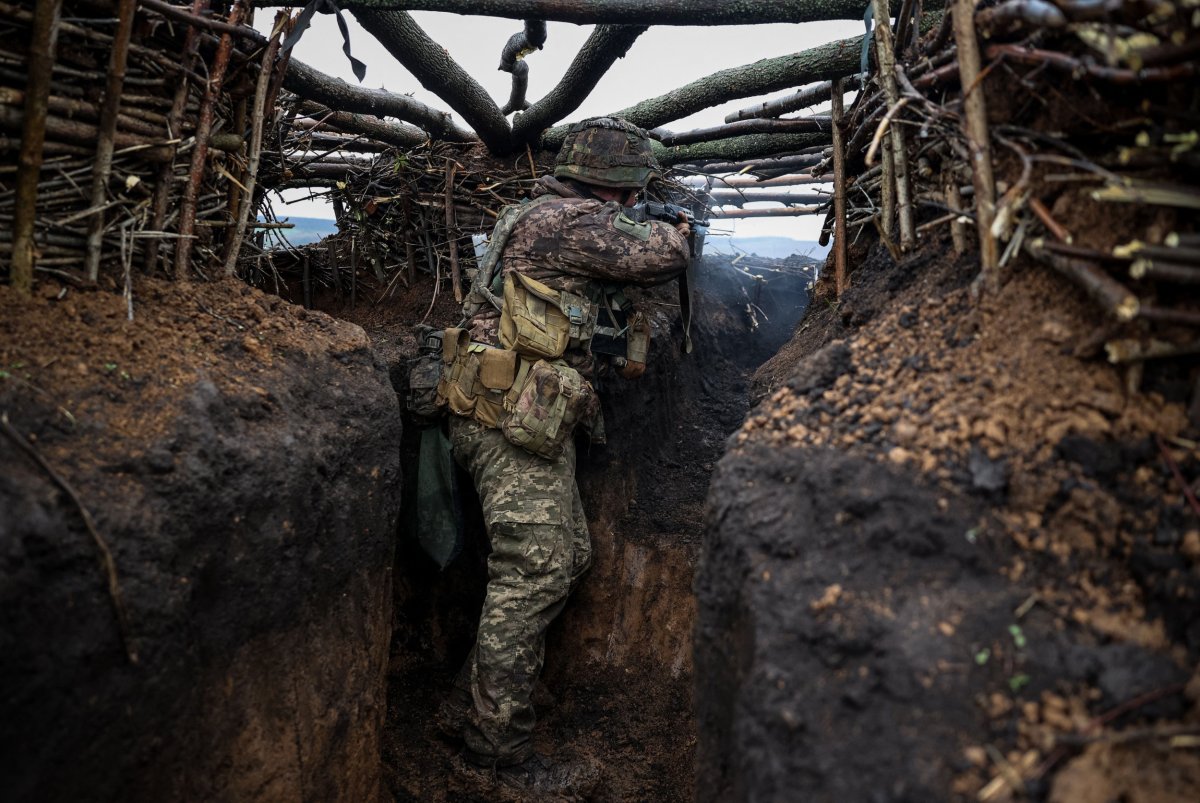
x,y
771,247
307,229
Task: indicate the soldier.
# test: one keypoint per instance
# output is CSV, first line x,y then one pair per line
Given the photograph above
x,y
576,239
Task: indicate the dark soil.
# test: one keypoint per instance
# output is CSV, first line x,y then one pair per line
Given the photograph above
x,y
942,543
240,457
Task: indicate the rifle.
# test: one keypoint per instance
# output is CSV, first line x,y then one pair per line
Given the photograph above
x,y
698,229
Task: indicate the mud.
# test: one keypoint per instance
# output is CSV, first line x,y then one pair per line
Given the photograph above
x,y
240,457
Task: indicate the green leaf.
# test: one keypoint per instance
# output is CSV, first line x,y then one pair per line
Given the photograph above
x,y
1018,682
1018,636
983,656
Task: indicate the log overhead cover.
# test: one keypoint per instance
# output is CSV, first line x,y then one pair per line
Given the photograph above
x,y
768,75
630,12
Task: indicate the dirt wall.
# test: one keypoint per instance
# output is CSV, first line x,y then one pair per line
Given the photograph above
x,y
240,457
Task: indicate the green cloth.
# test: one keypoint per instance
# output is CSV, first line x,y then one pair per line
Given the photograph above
x,y
439,517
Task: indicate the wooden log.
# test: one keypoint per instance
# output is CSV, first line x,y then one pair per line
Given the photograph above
x,y
42,46
1164,271
335,93
840,246
809,96
975,126
740,198
749,182
783,211
822,63
440,74
811,124
102,169
400,135
738,148
628,12
754,165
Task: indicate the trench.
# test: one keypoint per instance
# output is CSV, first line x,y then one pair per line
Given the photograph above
x,y
617,681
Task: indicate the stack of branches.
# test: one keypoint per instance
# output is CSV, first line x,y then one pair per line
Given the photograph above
x,y
974,123
400,211
132,137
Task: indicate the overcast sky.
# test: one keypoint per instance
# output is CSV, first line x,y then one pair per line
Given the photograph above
x,y
662,59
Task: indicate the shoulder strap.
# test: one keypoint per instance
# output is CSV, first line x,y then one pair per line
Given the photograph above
x,y
481,288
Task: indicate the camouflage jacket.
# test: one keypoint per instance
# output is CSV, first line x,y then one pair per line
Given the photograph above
x,y
584,245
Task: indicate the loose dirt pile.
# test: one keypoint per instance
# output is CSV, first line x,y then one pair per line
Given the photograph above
x,y
952,430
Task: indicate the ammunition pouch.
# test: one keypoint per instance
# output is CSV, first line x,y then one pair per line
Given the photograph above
x,y
475,378
534,403
541,322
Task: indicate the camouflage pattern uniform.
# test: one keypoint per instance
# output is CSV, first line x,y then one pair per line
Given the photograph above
x,y
531,505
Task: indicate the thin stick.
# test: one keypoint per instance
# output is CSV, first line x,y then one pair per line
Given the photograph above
x,y
452,227
187,209
233,245
162,188
1095,281
106,558
1056,228
33,136
839,189
887,74
975,127
958,229
119,57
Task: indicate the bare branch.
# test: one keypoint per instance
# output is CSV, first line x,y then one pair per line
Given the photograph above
x,y
512,60
440,74
809,96
337,94
606,44
630,12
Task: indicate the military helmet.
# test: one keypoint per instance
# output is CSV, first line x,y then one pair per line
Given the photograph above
x,y
606,151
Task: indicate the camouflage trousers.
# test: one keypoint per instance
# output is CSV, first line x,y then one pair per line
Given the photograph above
x,y
540,548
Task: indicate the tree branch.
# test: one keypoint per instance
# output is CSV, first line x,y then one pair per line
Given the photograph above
x,y
337,94
606,44
400,135
440,74
630,12
823,63
738,148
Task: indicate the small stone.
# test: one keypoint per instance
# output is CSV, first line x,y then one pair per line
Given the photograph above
x,y
1191,546
899,455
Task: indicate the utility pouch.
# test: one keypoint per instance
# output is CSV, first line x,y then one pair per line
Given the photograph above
x,y
552,398
456,390
424,376
542,322
497,372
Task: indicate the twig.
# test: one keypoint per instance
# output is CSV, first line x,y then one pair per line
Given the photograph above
x,y
106,557
1102,288
1056,228
887,74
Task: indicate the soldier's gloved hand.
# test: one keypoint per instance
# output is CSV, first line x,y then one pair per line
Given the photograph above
x,y
682,226
629,369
